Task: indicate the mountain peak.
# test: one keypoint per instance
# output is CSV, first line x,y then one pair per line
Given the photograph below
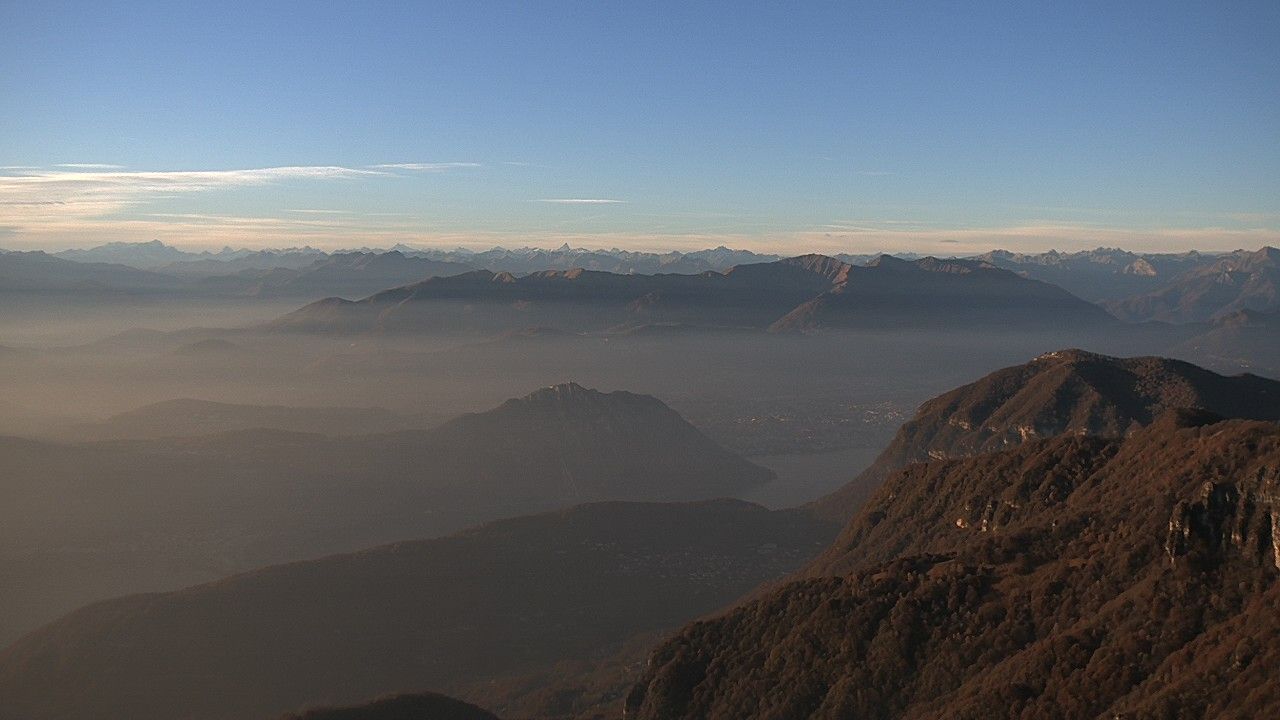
x,y
562,391
831,268
574,399
1065,392
1072,355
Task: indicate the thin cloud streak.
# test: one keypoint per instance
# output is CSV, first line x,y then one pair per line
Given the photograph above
x,y
29,196
427,167
582,201
90,166
50,207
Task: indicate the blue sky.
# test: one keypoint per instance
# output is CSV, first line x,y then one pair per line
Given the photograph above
x,y
934,127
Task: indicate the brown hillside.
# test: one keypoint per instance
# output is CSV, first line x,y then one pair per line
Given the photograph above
x,y
1068,578
1069,392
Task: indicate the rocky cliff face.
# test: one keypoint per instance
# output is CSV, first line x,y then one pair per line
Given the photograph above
x,y
1228,518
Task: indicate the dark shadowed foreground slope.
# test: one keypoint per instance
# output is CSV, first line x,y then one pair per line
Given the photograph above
x,y
1069,578
1068,392
164,513
511,597
419,706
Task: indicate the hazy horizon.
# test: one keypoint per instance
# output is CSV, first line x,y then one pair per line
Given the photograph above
x,y
606,248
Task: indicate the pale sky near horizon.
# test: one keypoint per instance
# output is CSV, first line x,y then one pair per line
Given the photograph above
x,y
930,127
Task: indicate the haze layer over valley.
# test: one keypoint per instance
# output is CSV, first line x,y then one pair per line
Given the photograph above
x,y
639,361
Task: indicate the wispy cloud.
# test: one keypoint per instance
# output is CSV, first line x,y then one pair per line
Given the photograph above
x,y
1254,217
582,201
61,206
426,167
90,166
38,199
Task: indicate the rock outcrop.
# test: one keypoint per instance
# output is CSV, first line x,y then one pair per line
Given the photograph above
x,y
1226,517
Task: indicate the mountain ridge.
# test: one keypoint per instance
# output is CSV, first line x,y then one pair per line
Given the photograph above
x,y
808,292
1067,577
523,595
1237,281
179,509
1067,391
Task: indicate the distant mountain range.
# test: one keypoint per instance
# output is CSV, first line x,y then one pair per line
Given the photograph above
x,y
1102,274
43,273
809,292
344,274
1247,339
1137,287
1235,282
172,511
354,274
155,255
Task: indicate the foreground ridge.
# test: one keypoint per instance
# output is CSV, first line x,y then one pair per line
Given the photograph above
x,y
1072,577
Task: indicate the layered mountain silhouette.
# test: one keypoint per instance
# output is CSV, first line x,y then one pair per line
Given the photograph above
x,y
39,272
418,706
1071,392
1100,274
355,274
1237,281
159,256
265,275
456,614
166,512
809,292
189,417
1070,577
933,293
1245,338
144,255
